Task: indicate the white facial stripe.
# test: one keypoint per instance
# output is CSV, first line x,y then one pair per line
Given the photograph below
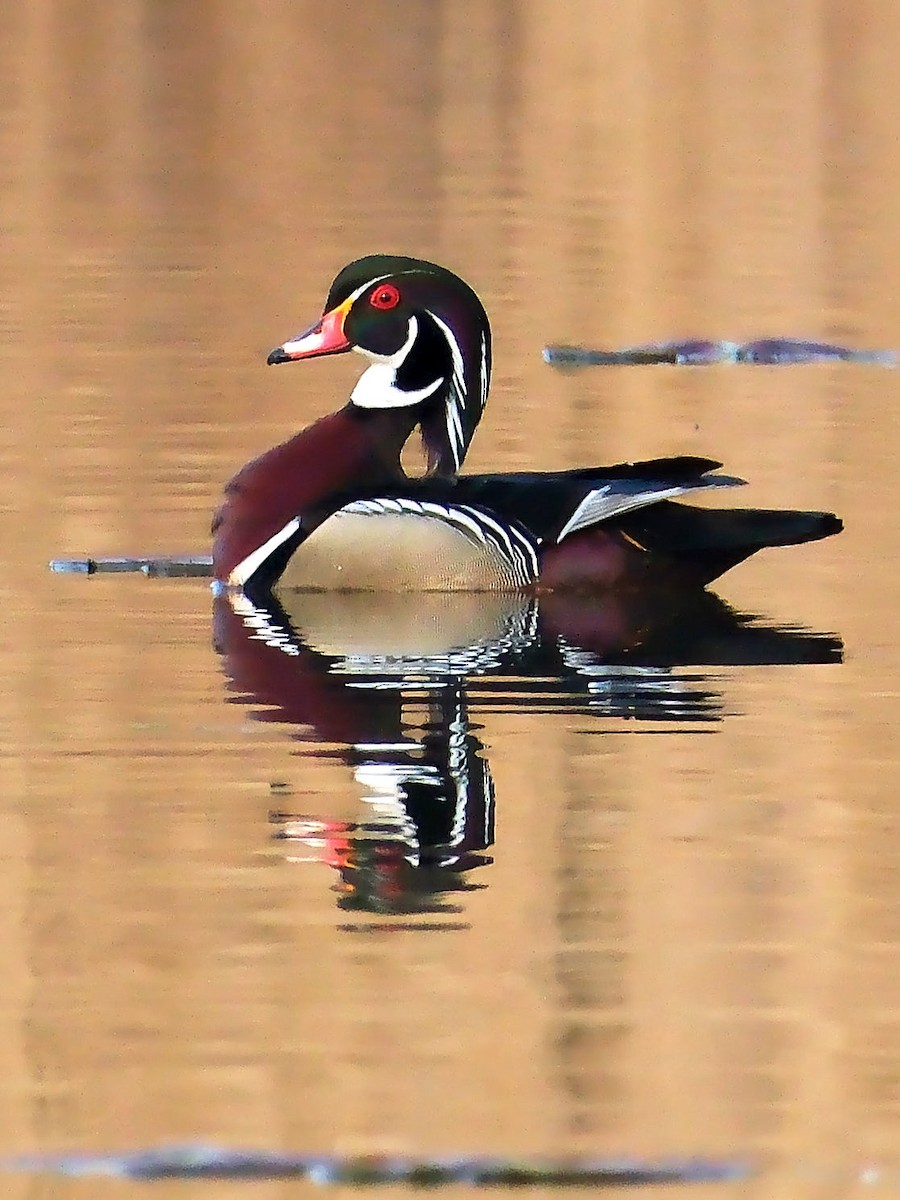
x,y
396,359
377,388
485,381
458,366
359,291
456,396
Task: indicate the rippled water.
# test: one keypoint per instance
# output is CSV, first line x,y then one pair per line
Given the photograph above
x,y
644,902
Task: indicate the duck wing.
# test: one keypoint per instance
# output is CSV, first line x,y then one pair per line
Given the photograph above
x,y
553,505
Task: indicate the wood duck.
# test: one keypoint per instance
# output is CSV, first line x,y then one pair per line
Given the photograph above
x,y
332,508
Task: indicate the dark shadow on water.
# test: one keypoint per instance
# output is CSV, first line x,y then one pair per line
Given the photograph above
x,y
389,684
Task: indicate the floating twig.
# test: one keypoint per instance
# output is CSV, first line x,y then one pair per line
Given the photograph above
x,y
198,565
695,352
209,1162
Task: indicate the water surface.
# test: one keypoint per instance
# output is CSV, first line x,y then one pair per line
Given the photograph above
x,y
686,940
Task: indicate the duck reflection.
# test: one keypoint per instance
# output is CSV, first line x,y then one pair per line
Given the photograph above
x,y
387,683
428,799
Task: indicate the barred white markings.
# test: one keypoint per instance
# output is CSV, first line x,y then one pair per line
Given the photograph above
x,y
621,690
622,496
461,758
458,764
456,398
517,550
387,783
260,621
384,782
432,671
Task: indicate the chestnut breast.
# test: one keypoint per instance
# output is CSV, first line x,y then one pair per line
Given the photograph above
x,y
344,450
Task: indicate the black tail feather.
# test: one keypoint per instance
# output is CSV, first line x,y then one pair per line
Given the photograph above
x,y
711,541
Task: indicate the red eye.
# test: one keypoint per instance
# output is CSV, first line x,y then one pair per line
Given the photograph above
x,y
385,296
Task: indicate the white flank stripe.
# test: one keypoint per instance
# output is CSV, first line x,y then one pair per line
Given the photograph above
x,y
251,564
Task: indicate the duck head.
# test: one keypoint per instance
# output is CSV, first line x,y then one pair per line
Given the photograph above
x,y
428,341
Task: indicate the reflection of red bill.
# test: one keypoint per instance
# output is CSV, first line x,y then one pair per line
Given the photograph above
x,y
314,840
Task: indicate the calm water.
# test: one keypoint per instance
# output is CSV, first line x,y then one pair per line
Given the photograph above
x,y
646,902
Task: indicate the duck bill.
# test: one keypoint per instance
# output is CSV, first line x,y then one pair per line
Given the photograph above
x,y
325,337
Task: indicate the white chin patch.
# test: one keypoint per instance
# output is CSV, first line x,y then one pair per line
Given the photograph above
x,y
377,388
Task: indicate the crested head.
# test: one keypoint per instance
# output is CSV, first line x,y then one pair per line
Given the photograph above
x,y
427,338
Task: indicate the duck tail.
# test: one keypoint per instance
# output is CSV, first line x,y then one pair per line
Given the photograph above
x,y
755,528
709,542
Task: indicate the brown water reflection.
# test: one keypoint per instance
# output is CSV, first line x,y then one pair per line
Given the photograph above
x,y
688,942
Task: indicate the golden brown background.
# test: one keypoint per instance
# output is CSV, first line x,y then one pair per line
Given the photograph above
x,y
688,942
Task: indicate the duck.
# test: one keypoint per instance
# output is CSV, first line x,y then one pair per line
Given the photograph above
x,y
332,508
